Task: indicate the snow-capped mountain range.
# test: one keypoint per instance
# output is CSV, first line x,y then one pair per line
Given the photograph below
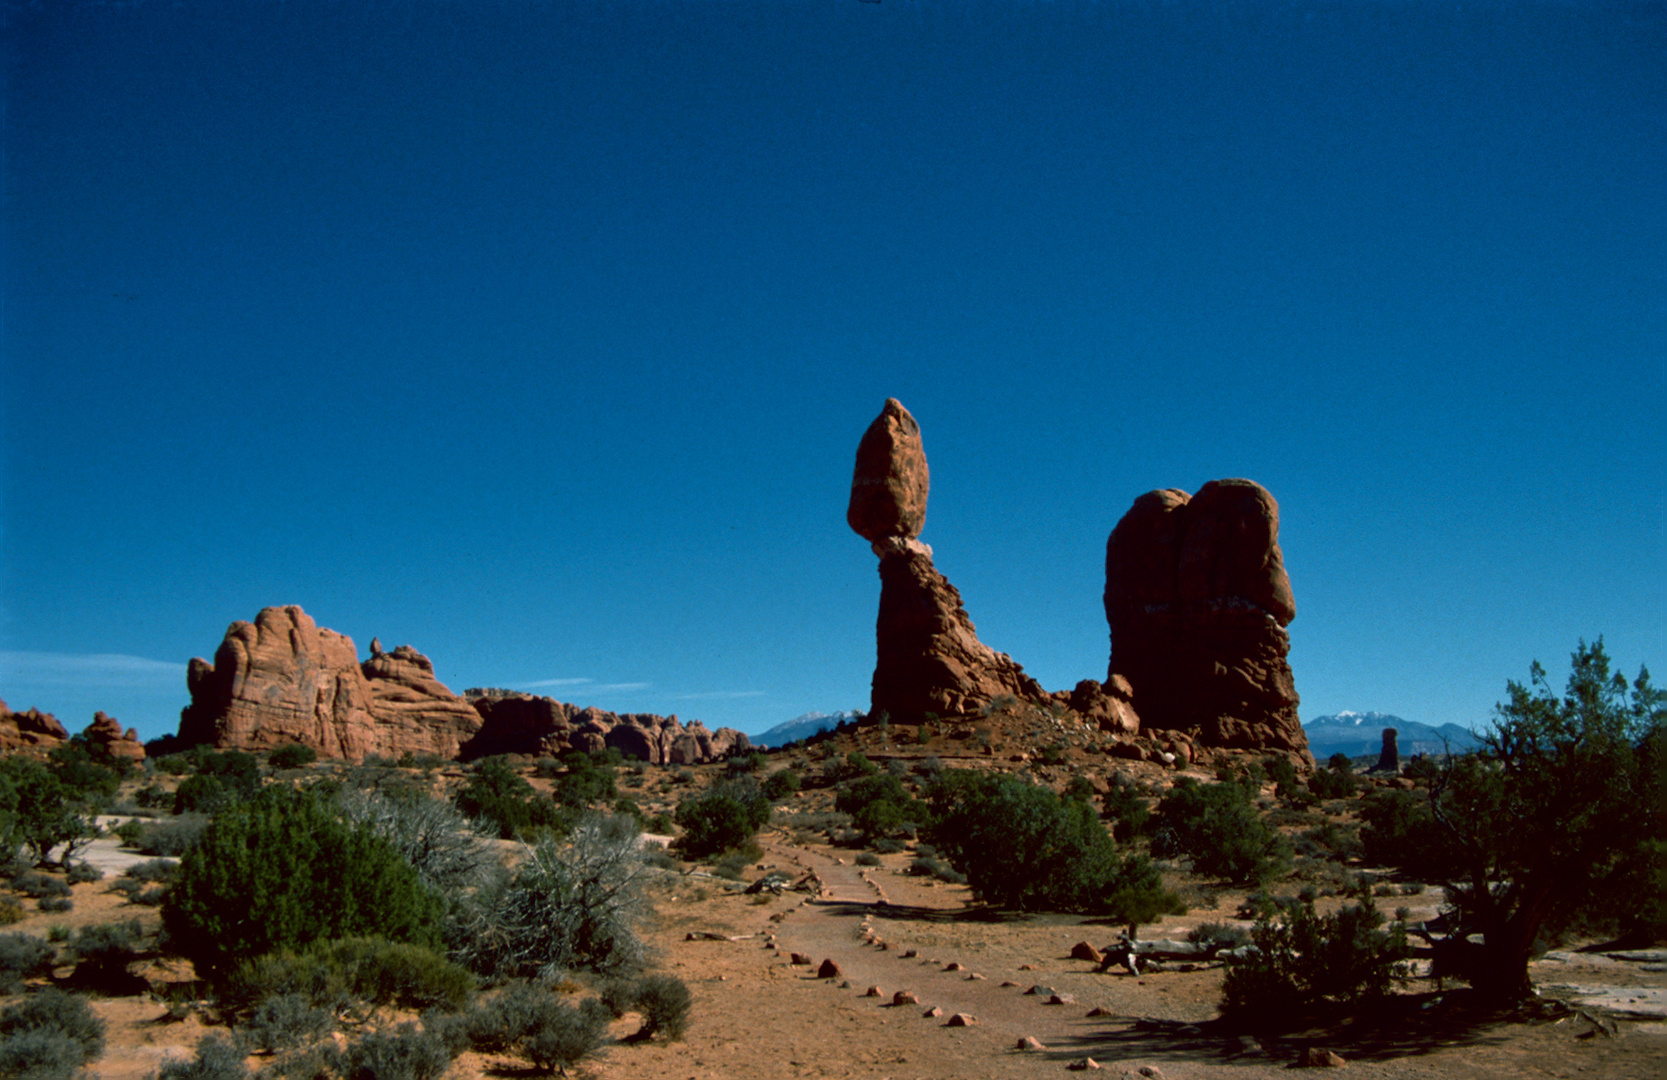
x,y
803,727
1360,733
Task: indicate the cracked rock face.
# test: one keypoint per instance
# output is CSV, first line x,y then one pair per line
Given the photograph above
x,y
1198,600
284,679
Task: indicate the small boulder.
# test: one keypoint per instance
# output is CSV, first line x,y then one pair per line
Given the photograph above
x,y
905,997
1316,1058
1060,999
1083,1064
961,1020
932,1012
1029,1042
1082,950
829,970
799,958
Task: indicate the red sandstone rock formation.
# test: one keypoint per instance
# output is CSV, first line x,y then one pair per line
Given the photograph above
x,y
516,723
1198,601
106,733
283,679
929,658
30,730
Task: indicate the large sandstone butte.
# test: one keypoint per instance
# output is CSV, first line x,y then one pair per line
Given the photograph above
x,y
283,679
1198,601
929,658
517,723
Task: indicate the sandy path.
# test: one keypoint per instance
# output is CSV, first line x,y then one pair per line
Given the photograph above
x,y
849,923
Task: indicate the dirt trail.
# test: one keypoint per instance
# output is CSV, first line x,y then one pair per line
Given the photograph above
x,y
849,923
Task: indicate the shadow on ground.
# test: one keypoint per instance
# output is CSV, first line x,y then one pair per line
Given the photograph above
x,y
1399,1027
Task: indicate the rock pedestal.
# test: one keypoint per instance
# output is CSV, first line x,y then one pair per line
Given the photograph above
x,y
105,732
1198,600
516,723
928,656
1389,758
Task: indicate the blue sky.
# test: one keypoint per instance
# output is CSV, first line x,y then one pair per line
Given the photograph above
x,y
541,336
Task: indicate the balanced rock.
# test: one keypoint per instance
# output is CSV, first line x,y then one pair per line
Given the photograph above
x,y
30,730
929,658
1198,600
106,733
891,481
284,679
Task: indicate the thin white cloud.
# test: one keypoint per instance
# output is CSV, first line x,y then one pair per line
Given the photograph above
x,y
590,686
713,695
86,669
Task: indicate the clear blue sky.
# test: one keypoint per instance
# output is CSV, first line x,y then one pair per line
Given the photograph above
x,y
541,336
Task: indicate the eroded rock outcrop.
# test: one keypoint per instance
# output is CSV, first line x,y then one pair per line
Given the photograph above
x,y
30,730
284,679
1198,601
516,723
105,734
928,656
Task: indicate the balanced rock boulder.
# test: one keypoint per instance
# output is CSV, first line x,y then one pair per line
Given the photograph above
x,y
889,487
30,730
929,658
284,679
1198,600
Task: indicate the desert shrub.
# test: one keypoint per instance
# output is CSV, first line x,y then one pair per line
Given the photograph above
x,y
1021,846
217,1058
286,1022
780,785
90,780
496,795
203,795
888,845
1399,829
38,886
82,873
853,766
173,764
867,858
879,805
1287,784
1124,803
40,812
152,871
663,1001
733,865
328,973
1219,935
447,849
1303,959
103,951
1336,780
583,783
656,857
727,816
48,1034
567,905
56,905
405,1053
530,1022
745,764
172,839
282,871
11,911
23,956
292,756
129,832
153,797
564,1035
1330,840
1218,828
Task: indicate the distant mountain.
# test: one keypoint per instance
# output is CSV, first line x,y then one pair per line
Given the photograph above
x,y
803,727
1360,734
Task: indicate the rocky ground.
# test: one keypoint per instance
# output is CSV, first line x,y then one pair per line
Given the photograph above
x,y
758,1014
